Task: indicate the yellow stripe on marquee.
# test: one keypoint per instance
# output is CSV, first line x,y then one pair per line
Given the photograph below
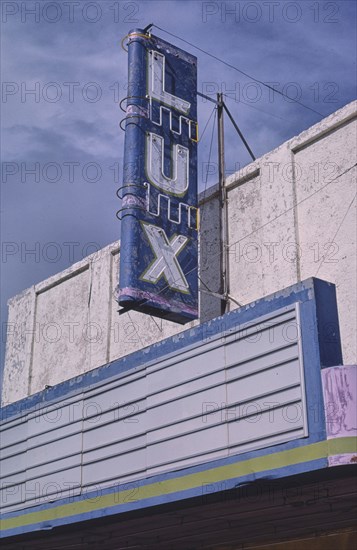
x,y
298,455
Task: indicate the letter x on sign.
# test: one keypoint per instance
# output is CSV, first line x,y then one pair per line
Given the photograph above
x,y
166,263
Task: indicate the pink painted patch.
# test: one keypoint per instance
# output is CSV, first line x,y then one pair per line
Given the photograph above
x,y
340,398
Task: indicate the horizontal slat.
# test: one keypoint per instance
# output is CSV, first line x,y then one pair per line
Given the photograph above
x,y
190,387
266,442
54,417
265,424
262,361
228,395
187,446
267,382
264,341
185,407
114,398
13,450
13,433
186,462
184,370
100,452
55,435
53,486
114,467
54,451
123,428
12,492
13,464
61,465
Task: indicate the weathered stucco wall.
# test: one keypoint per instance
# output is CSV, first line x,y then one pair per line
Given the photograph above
x,y
291,216
69,324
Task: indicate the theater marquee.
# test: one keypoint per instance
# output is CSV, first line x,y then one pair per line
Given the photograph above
x,y
158,253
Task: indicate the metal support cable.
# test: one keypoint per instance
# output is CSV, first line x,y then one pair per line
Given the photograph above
x,y
238,131
240,71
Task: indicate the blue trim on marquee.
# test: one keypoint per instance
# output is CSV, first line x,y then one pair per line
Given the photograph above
x,y
234,459
235,483
328,325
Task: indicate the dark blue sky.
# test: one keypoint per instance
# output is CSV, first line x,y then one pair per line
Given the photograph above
x,y
66,131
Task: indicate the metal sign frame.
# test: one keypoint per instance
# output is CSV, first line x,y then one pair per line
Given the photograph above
x,y
159,237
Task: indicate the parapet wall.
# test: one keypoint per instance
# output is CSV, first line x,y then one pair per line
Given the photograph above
x,y
291,217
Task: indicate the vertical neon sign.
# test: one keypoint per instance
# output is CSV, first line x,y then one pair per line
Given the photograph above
x,y
158,252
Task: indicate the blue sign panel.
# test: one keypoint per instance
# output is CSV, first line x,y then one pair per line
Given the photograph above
x,y
158,253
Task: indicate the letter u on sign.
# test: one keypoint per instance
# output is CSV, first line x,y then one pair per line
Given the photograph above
x,y
180,157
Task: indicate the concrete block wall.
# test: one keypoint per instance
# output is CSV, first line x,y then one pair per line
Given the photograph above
x,y
291,216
